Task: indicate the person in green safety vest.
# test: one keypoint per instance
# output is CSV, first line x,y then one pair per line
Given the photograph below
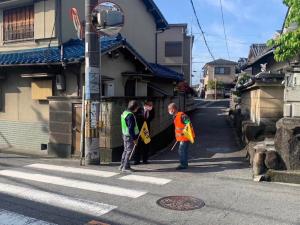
x,y
130,133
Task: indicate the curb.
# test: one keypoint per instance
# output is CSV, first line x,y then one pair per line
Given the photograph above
x,y
288,176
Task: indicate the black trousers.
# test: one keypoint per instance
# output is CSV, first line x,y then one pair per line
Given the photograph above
x,y
141,152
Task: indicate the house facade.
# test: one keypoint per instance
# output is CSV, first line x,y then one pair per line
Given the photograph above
x,y
174,49
222,71
260,91
269,98
42,73
287,140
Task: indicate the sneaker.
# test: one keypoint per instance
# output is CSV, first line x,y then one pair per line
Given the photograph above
x,y
120,168
127,170
181,167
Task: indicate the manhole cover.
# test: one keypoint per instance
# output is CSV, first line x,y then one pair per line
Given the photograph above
x,y
181,203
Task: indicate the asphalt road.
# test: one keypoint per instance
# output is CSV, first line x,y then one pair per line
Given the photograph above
x,y
52,191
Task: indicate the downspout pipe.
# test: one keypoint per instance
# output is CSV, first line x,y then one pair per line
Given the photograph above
x,y
59,15
156,43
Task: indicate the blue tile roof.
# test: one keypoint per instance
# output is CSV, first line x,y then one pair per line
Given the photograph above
x,y
164,72
74,52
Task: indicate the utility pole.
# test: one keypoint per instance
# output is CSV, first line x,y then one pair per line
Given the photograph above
x,y
92,88
215,89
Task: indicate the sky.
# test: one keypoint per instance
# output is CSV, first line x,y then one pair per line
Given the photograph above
x,y
246,22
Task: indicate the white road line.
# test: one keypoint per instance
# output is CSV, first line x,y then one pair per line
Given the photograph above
x,y
74,170
9,218
146,179
89,186
56,200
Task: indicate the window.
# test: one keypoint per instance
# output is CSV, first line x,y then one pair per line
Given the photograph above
x,y
18,23
222,70
130,88
173,49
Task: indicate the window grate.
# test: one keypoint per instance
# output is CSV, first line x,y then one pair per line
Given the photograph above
x,y
18,23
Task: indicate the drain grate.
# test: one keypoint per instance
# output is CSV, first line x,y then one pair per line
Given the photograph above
x,y
181,203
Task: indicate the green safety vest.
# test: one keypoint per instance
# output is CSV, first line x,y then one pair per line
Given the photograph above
x,y
125,129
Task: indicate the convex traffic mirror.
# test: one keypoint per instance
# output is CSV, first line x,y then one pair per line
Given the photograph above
x,y
108,18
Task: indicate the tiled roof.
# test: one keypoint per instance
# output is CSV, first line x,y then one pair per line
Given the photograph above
x,y
256,50
74,52
221,62
262,77
261,58
164,72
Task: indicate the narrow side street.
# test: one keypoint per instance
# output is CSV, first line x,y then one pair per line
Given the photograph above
x,y
149,112
218,174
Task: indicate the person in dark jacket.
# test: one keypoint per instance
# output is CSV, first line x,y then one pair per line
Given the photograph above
x,y
130,133
145,114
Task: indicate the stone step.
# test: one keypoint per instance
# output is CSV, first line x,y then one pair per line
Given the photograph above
x,y
287,176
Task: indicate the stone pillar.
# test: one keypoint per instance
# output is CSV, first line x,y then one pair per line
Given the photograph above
x,y
287,142
111,143
60,126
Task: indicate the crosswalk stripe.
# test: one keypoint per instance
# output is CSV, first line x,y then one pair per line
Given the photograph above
x,y
146,179
73,170
56,200
89,186
9,218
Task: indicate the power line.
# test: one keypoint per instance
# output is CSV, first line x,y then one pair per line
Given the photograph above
x,y
223,22
222,38
199,25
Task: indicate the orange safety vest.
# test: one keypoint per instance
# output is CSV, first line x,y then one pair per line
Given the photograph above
x,y
179,127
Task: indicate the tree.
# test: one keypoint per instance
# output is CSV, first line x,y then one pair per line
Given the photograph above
x,y
212,84
243,78
287,45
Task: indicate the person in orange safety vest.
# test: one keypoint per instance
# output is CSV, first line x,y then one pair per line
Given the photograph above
x,y
180,122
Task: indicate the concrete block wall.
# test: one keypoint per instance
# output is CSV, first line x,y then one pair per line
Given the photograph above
x,y
60,123
23,136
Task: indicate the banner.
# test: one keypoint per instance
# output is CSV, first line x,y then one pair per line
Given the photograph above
x,y
145,135
189,133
